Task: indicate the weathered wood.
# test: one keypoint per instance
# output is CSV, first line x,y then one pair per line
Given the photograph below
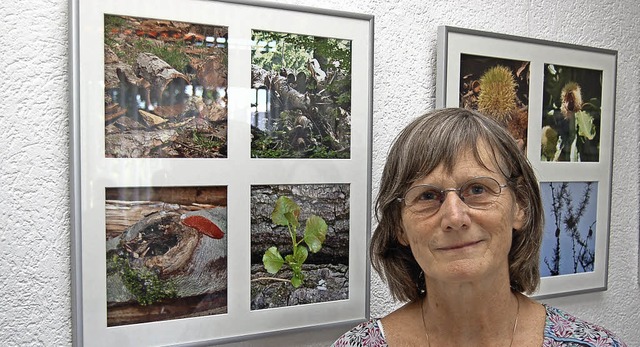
x,y
111,65
322,283
290,98
113,112
137,144
160,75
212,71
121,215
151,108
201,305
171,196
194,263
151,119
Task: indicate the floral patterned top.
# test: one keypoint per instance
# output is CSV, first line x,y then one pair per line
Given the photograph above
x,y
561,330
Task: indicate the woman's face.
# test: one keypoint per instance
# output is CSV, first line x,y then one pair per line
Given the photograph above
x,y
459,243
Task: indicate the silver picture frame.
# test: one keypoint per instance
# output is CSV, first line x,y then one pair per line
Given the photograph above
x,y
560,107
208,183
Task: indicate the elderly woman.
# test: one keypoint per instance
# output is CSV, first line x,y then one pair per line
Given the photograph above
x,y
460,223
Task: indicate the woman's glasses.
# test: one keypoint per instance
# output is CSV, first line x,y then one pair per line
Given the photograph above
x,y
478,193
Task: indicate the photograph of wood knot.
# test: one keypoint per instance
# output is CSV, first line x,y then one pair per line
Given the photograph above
x,y
166,253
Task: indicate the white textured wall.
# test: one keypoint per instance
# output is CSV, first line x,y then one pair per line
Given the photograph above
x,y
34,160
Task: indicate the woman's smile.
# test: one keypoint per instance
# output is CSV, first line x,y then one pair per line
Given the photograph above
x,y
459,246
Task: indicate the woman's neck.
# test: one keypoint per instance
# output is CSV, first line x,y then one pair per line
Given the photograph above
x,y
469,312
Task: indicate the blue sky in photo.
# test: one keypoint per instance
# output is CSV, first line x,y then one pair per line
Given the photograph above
x,y
576,191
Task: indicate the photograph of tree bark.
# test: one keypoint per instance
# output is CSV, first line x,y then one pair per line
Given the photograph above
x,y
166,253
165,89
301,88
498,88
299,244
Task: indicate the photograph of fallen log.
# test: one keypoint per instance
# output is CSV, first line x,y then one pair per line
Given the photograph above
x,y
165,89
166,253
282,218
302,96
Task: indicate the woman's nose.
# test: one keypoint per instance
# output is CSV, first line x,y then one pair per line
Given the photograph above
x,y
453,211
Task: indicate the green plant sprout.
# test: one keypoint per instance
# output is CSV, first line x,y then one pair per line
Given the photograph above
x,y
286,213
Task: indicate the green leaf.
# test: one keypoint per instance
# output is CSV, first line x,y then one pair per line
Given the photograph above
x,y
296,260
286,212
315,233
297,279
585,125
300,254
272,260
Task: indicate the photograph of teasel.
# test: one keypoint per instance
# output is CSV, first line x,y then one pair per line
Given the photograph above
x,y
165,88
498,88
301,90
571,120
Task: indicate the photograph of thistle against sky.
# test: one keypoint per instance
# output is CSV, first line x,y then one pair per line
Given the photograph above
x,y
499,88
166,253
568,244
299,244
165,89
301,88
572,100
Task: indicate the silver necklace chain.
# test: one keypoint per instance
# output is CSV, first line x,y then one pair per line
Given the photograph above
x,y
513,333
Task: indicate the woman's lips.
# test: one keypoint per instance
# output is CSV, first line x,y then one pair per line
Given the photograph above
x,y
459,246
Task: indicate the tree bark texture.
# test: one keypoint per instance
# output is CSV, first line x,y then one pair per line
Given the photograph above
x,y
161,76
322,283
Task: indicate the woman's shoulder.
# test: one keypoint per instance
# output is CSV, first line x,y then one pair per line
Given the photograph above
x,y
367,333
564,329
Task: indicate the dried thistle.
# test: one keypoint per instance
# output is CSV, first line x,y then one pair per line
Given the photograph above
x,y
497,97
571,97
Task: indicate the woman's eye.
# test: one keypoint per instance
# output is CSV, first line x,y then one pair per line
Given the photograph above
x,y
428,195
476,189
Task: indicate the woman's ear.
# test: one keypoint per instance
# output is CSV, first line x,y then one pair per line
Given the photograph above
x,y
519,217
402,236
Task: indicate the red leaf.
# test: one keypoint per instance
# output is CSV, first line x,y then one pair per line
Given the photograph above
x,y
204,226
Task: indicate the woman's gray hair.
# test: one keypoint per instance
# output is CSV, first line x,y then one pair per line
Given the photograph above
x,y
438,138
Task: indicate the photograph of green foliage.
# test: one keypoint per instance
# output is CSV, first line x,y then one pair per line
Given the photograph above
x,y
301,87
572,114
166,253
299,244
568,245
498,88
165,89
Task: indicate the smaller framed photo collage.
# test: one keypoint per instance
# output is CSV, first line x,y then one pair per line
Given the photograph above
x,y
558,101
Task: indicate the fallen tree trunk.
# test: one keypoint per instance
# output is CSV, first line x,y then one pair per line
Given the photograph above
x,y
291,99
163,78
